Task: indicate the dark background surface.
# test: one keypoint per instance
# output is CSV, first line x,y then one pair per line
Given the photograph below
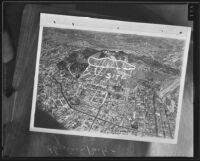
x,y
18,83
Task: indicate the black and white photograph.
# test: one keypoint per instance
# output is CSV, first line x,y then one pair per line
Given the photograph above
x,y
112,79
100,79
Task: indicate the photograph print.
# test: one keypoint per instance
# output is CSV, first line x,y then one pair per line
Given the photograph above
x,y
110,85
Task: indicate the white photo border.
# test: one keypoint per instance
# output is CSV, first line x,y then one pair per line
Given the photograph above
x,y
114,26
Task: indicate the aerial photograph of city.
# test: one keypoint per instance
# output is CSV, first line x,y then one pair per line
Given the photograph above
x,y
110,83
